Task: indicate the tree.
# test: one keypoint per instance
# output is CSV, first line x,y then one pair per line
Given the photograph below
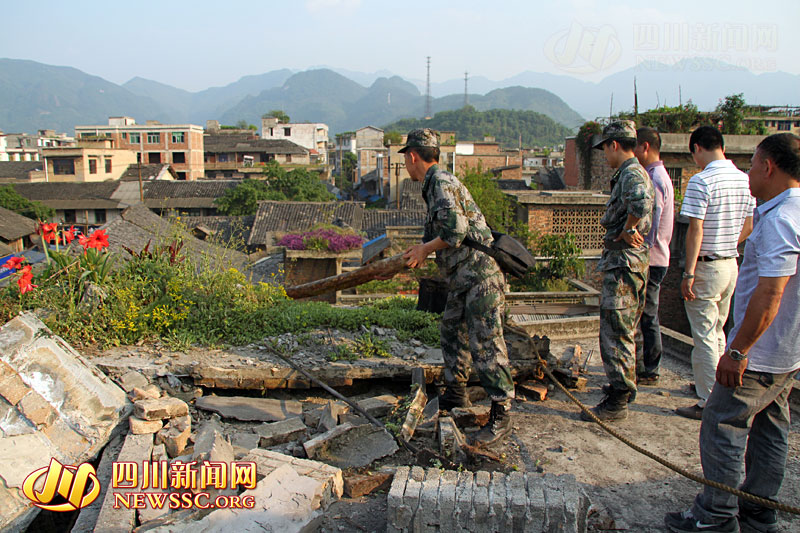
x,y
666,119
282,117
732,111
392,137
496,206
13,201
349,162
296,185
242,124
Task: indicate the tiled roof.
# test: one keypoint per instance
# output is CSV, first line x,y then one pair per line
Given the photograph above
x,y
163,194
148,172
19,170
376,220
301,216
227,229
71,195
411,195
13,225
241,143
512,185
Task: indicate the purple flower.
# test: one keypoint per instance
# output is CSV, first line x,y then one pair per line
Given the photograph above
x,y
321,238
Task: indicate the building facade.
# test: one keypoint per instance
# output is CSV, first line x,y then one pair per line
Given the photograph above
x,y
312,136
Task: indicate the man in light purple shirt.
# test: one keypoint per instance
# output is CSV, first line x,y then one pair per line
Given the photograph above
x,y
648,342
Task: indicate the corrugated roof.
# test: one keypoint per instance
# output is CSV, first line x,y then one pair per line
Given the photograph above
x,y
300,216
13,225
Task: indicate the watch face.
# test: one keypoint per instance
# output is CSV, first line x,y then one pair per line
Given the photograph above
x,y
736,355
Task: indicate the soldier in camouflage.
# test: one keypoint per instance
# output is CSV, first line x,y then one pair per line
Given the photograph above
x,y
624,262
471,328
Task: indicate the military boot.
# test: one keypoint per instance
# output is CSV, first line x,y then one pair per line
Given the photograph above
x,y
613,407
455,395
498,427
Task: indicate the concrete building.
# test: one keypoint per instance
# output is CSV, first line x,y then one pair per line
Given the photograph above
x,y
25,147
777,119
242,155
180,145
312,136
90,160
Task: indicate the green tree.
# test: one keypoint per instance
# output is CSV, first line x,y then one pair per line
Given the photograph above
x,y
295,185
731,110
345,180
13,201
242,124
392,137
666,119
279,114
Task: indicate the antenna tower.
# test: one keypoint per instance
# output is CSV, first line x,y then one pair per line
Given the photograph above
x,y
428,92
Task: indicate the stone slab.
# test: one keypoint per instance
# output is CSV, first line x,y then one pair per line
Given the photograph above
x,y
379,406
267,461
348,446
160,409
143,427
250,409
274,433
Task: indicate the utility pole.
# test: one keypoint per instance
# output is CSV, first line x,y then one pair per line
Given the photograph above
x,y
466,94
428,92
635,99
680,97
611,107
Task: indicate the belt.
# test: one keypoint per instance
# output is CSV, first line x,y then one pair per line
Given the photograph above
x,y
705,258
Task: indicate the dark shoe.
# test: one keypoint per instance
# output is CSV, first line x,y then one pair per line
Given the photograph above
x,y
498,427
454,396
647,381
613,407
759,520
695,412
685,522
607,388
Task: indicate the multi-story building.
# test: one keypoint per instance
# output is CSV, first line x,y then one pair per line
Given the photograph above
x,y
312,136
243,155
180,145
90,160
776,119
25,147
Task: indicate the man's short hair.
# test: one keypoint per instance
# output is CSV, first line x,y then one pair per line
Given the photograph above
x,y
626,144
429,154
708,137
650,136
783,149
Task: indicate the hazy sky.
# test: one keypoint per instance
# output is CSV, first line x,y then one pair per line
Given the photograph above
x,y
197,44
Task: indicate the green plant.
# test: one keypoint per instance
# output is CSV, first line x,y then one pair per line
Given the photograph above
x,y
342,352
369,346
562,261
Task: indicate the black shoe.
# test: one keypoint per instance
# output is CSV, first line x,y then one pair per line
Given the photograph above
x,y
454,396
613,407
759,519
498,427
607,388
695,412
685,522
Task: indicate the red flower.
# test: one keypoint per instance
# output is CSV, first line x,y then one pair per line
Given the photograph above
x,y
14,263
47,231
68,235
98,239
25,280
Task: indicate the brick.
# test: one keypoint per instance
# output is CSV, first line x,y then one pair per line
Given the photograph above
x,y
143,427
534,390
517,502
480,502
411,498
451,440
357,485
175,435
274,433
536,517
447,500
463,500
151,392
497,501
475,416
395,503
37,409
428,513
160,409
12,388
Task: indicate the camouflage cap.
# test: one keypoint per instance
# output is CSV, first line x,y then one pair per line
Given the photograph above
x,y
619,129
421,138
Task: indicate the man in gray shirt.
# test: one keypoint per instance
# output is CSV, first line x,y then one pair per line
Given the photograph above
x,y
746,418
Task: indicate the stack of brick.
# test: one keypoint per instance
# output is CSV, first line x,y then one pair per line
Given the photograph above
x,y
433,500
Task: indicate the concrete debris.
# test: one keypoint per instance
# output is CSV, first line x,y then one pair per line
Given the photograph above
x,y
357,485
452,441
54,404
414,414
150,392
272,434
348,446
144,427
433,500
175,435
330,476
160,453
160,409
379,405
475,416
87,519
250,409
329,418
131,380
248,441
430,415
353,418
210,444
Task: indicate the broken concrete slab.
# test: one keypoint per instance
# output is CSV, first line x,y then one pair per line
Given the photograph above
x,y
247,441
272,434
210,443
175,435
348,446
430,415
132,379
379,406
143,427
331,477
357,485
160,409
87,519
150,392
74,407
475,416
250,409
440,501
329,418
451,441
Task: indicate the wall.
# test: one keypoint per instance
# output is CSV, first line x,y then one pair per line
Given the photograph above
x,y
308,135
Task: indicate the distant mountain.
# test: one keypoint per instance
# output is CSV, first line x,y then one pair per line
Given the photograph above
x,y
35,96
325,96
505,125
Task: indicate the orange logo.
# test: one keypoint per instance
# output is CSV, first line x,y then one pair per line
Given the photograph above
x,y
67,481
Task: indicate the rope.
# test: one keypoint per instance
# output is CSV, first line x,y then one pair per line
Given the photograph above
x,y
764,502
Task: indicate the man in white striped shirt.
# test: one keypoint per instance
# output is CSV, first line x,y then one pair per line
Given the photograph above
x,y
720,210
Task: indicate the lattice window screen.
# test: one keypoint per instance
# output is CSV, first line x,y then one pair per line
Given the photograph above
x,y
582,222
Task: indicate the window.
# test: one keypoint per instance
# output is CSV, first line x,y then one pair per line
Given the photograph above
x,y
124,135
153,137
675,176
100,216
69,216
179,157
288,158
181,175
63,166
222,158
135,138
108,165
154,158
784,125
178,137
92,166
287,132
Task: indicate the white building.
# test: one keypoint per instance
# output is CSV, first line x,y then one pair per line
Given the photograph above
x,y
312,136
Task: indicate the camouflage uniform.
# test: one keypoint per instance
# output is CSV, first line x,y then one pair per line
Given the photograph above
x,y
471,326
625,279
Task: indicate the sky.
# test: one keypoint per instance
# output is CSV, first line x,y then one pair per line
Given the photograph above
x,y
198,44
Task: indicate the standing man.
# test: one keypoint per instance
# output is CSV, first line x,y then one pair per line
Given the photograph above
x,y
746,419
624,265
648,347
471,328
720,211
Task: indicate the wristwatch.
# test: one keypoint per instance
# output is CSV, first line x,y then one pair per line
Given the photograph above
x,y
736,355
686,275
631,231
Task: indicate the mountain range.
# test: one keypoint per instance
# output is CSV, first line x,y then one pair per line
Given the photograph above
x,y
37,96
